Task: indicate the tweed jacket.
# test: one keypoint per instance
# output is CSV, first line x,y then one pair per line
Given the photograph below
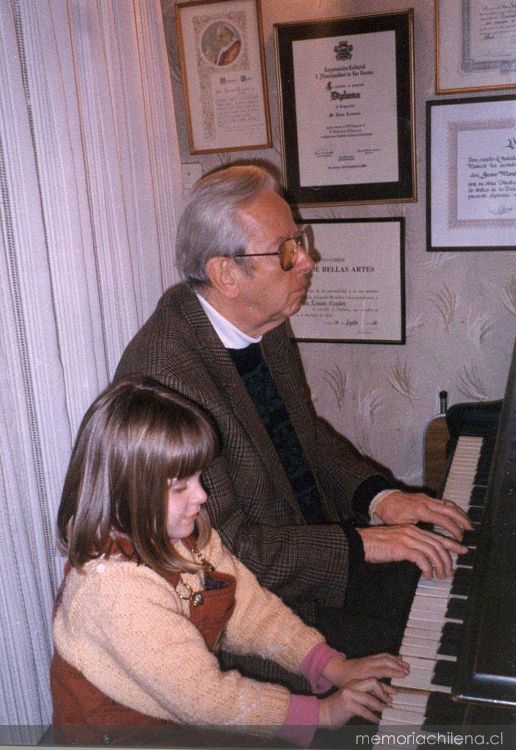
x,y
251,502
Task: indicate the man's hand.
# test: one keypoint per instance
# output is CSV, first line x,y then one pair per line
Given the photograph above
x,y
405,507
430,552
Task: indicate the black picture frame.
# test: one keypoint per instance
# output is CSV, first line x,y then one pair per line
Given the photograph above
x,y
345,34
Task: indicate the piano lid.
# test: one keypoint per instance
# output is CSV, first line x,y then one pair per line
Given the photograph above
x,y
486,669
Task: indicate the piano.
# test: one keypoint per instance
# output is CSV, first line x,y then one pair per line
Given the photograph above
x,y
460,636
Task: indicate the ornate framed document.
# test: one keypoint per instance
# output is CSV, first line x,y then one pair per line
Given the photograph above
x,y
347,108
357,294
224,84
475,45
471,173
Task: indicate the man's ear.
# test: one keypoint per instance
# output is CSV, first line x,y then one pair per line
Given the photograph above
x,y
223,275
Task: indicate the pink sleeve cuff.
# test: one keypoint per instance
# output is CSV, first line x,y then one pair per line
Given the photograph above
x,y
301,721
313,665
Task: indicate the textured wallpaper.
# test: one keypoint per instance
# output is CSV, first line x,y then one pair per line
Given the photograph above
x,y
460,306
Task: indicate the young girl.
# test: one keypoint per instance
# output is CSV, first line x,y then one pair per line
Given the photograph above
x,y
151,594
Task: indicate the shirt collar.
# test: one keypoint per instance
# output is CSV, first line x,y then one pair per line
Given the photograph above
x,y
231,336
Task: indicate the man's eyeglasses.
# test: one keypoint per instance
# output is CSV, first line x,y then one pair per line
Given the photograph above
x,y
286,252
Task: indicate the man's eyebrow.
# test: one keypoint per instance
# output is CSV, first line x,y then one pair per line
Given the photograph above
x,y
289,236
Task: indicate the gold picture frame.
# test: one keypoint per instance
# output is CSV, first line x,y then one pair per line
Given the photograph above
x,y
223,70
474,47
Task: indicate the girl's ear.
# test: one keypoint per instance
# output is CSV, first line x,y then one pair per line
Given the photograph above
x,y
222,273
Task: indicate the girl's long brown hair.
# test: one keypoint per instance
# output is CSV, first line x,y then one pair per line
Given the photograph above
x,y
134,438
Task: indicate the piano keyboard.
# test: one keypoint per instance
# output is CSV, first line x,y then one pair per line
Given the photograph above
x,y
433,632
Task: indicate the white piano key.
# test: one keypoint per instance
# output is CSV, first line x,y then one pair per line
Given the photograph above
x,y
421,638
427,652
403,717
426,616
429,604
408,708
420,676
410,698
417,666
422,681
414,649
425,631
435,595
435,585
424,626
418,636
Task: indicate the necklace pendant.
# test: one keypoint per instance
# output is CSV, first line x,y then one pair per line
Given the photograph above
x,y
197,599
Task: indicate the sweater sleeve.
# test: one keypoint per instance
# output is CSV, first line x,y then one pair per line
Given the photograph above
x,y
261,623
121,625
302,720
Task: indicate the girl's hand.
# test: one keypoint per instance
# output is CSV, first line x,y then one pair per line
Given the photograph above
x,y
364,698
341,671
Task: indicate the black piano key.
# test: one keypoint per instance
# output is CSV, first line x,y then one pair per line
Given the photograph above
x,y
470,538
482,475
460,582
475,515
478,497
444,673
466,561
441,709
448,649
484,462
451,633
456,608
452,630
448,646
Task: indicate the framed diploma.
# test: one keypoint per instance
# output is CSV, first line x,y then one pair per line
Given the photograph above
x,y
224,84
471,173
475,45
347,109
357,294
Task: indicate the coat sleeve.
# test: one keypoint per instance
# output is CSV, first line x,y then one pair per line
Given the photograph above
x,y
298,561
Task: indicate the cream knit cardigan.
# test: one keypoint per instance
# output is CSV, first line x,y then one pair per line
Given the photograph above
x,y
124,627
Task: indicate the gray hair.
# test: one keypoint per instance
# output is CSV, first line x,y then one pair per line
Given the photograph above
x,y
210,224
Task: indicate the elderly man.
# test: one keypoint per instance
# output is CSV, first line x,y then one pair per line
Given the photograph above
x,y
291,498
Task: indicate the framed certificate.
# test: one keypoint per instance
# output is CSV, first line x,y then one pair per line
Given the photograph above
x,y
475,45
471,174
224,84
357,294
347,109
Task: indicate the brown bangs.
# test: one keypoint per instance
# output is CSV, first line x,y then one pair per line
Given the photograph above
x,y
193,450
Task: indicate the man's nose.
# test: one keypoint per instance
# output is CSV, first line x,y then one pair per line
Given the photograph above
x,y
305,263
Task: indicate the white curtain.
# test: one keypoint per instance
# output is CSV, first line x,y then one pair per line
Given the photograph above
x,y
89,184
